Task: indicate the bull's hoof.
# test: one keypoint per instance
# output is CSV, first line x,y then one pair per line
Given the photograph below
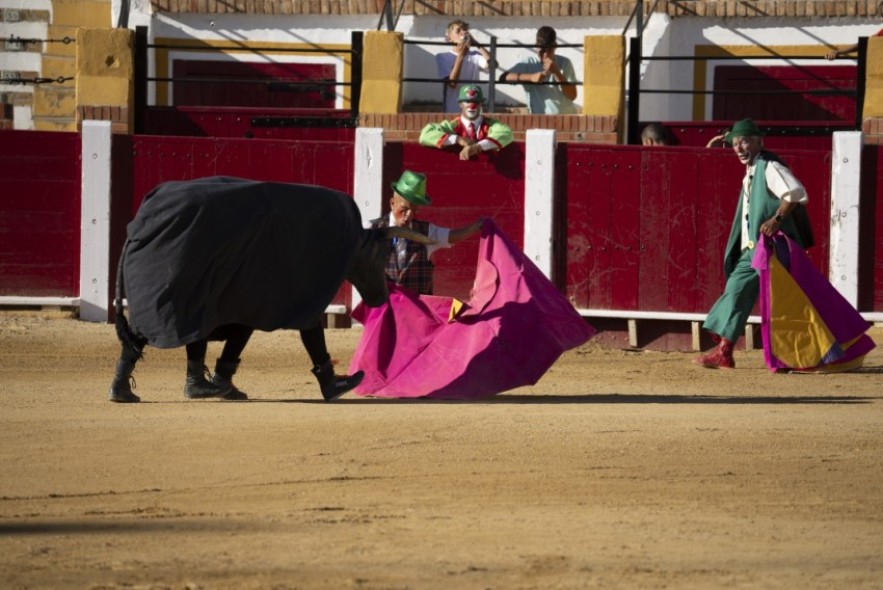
x,y
205,390
122,396
236,396
340,385
203,394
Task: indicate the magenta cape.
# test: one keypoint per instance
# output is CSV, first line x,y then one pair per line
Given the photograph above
x,y
514,326
806,324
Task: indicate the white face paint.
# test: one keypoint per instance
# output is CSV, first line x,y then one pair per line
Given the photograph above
x,y
470,110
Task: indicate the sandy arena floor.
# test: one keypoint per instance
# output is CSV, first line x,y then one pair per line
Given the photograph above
x,y
617,470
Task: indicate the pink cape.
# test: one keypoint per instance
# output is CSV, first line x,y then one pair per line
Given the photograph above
x,y
514,326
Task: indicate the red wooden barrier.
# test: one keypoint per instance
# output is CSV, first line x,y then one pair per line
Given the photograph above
x,y
158,159
871,231
240,122
647,227
640,229
800,135
40,214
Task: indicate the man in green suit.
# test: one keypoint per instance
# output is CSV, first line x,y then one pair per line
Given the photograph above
x,y
771,200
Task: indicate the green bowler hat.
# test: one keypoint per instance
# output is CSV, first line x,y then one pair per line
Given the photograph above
x,y
412,186
471,93
743,128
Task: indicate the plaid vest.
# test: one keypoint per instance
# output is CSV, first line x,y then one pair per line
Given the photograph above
x,y
409,264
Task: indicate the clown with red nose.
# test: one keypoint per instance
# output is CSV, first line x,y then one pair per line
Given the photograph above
x,y
472,132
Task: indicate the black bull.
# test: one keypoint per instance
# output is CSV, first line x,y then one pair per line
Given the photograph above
x,y
210,252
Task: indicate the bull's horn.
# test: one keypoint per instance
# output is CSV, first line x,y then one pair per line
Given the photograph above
x,y
408,234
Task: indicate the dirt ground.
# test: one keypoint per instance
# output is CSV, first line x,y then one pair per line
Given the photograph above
x,y
618,469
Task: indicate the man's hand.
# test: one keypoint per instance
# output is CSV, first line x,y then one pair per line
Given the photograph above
x,y
463,45
770,227
550,68
469,151
717,141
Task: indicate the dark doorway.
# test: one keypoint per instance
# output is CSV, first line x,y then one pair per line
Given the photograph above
x,y
815,93
249,84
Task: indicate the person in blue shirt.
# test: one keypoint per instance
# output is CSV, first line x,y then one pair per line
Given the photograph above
x,y
549,81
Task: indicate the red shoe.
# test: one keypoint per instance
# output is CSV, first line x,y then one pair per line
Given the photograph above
x,y
720,357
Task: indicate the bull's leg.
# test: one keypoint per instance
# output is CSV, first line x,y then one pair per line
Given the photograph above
x,y
331,385
123,382
236,337
197,384
223,377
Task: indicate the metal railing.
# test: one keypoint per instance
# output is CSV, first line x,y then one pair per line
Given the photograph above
x,y
326,86
13,43
493,80
635,90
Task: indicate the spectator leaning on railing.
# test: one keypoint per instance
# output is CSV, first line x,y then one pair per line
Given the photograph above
x,y
548,80
853,48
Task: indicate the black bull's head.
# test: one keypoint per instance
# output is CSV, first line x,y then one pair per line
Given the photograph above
x,y
367,272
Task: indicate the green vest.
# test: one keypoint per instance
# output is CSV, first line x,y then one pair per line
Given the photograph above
x,y
762,205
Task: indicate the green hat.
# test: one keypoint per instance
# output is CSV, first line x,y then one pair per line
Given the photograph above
x,y
412,186
471,93
743,128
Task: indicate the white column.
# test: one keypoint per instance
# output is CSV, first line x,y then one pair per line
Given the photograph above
x,y
845,191
368,178
95,221
539,189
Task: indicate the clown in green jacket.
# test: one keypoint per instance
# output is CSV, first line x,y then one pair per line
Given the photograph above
x,y
471,131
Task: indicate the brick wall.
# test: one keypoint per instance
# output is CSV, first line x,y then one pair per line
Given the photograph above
x,y
118,117
569,128
872,127
538,8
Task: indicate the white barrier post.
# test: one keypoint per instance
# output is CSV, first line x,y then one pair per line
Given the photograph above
x,y
845,192
539,192
95,221
368,179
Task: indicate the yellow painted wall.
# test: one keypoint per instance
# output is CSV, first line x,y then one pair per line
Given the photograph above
x,y
874,79
383,63
105,67
92,14
604,76
55,105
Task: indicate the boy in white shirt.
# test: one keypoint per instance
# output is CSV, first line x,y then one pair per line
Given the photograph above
x,y
461,64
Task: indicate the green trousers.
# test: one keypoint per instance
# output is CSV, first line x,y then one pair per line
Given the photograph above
x,y
730,312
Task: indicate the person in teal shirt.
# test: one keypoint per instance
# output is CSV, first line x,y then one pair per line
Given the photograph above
x,y
771,200
472,132
549,81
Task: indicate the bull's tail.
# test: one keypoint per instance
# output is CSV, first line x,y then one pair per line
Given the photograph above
x,y
132,344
